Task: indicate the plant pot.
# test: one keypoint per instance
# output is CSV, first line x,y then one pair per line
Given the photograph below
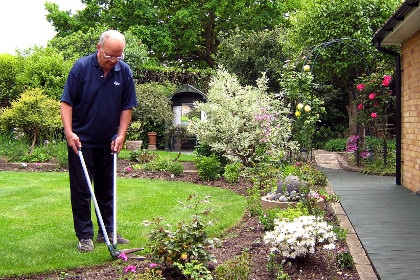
x,y
133,144
269,204
151,136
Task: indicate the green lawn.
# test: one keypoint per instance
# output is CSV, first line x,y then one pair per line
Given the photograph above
x,y
36,221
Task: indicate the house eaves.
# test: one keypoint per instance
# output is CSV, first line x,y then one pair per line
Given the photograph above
x,y
400,26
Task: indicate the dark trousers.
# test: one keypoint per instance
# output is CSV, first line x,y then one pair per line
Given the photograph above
x,y
99,163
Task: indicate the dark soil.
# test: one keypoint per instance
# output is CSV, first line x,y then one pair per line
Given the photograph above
x,y
248,234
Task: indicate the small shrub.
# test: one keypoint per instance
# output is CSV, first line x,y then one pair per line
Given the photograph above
x,y
344,260
194,270
336,145
143,156
175,168
267,218
276,268
209,168
237,268
183,243
254,201
232,172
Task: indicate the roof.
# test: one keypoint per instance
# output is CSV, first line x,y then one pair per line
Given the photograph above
x,y
188,89
401,25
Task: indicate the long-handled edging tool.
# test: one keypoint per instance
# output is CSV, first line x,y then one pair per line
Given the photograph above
x,y
112,248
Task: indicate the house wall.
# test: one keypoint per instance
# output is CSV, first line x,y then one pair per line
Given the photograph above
x,y
410,113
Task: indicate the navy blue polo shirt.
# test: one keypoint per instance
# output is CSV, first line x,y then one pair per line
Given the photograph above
x,y
97,102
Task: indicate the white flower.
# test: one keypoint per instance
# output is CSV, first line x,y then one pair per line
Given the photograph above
x,y
300,236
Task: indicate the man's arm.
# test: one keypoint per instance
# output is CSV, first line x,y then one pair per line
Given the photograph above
x,y
125,119
66,111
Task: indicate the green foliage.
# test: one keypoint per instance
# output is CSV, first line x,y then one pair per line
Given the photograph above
x,y
232,172
275,268
248,54
194,270
267,218
134,130
208,168
77,44
238,268
240,120
8,71
184,33
154,108
42,68
290,213
299,91
143,156
336,145
33,113
254,200
344,260
340,233
172,167
186,241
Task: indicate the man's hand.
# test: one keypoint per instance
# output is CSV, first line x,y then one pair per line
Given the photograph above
x,y
73,141
117,144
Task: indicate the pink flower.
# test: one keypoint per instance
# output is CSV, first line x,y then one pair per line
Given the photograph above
x,y
391,93
374,115
123,257
360,87
360,106
387,80
130,268
372,96
376,104
128,169
153,265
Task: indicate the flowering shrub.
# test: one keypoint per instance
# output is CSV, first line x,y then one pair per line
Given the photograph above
x,y
244,122
300,237
374,97
299,93
184,246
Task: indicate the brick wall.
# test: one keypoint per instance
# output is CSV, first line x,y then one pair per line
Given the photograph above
x,y
410,117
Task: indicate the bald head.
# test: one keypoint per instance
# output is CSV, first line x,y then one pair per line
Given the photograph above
x,y
111,34
110,49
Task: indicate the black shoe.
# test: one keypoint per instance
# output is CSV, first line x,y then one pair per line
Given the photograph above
x,y
85,245
120,240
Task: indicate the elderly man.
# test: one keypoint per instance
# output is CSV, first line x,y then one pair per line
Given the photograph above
x,y
96,108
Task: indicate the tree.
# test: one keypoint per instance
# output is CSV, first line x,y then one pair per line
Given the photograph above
x,y
179,32
243,122
33,113
317,31
44,68
248,54
7,79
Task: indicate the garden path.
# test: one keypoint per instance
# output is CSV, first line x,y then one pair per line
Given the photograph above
x,y
383,219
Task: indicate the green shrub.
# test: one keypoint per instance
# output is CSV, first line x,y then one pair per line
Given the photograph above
x,y
209,168
175,168
232,172
143,156
185,242
267,218
336,145
344,260
237,268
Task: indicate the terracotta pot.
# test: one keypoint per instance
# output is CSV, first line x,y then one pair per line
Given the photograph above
x,y
152,140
